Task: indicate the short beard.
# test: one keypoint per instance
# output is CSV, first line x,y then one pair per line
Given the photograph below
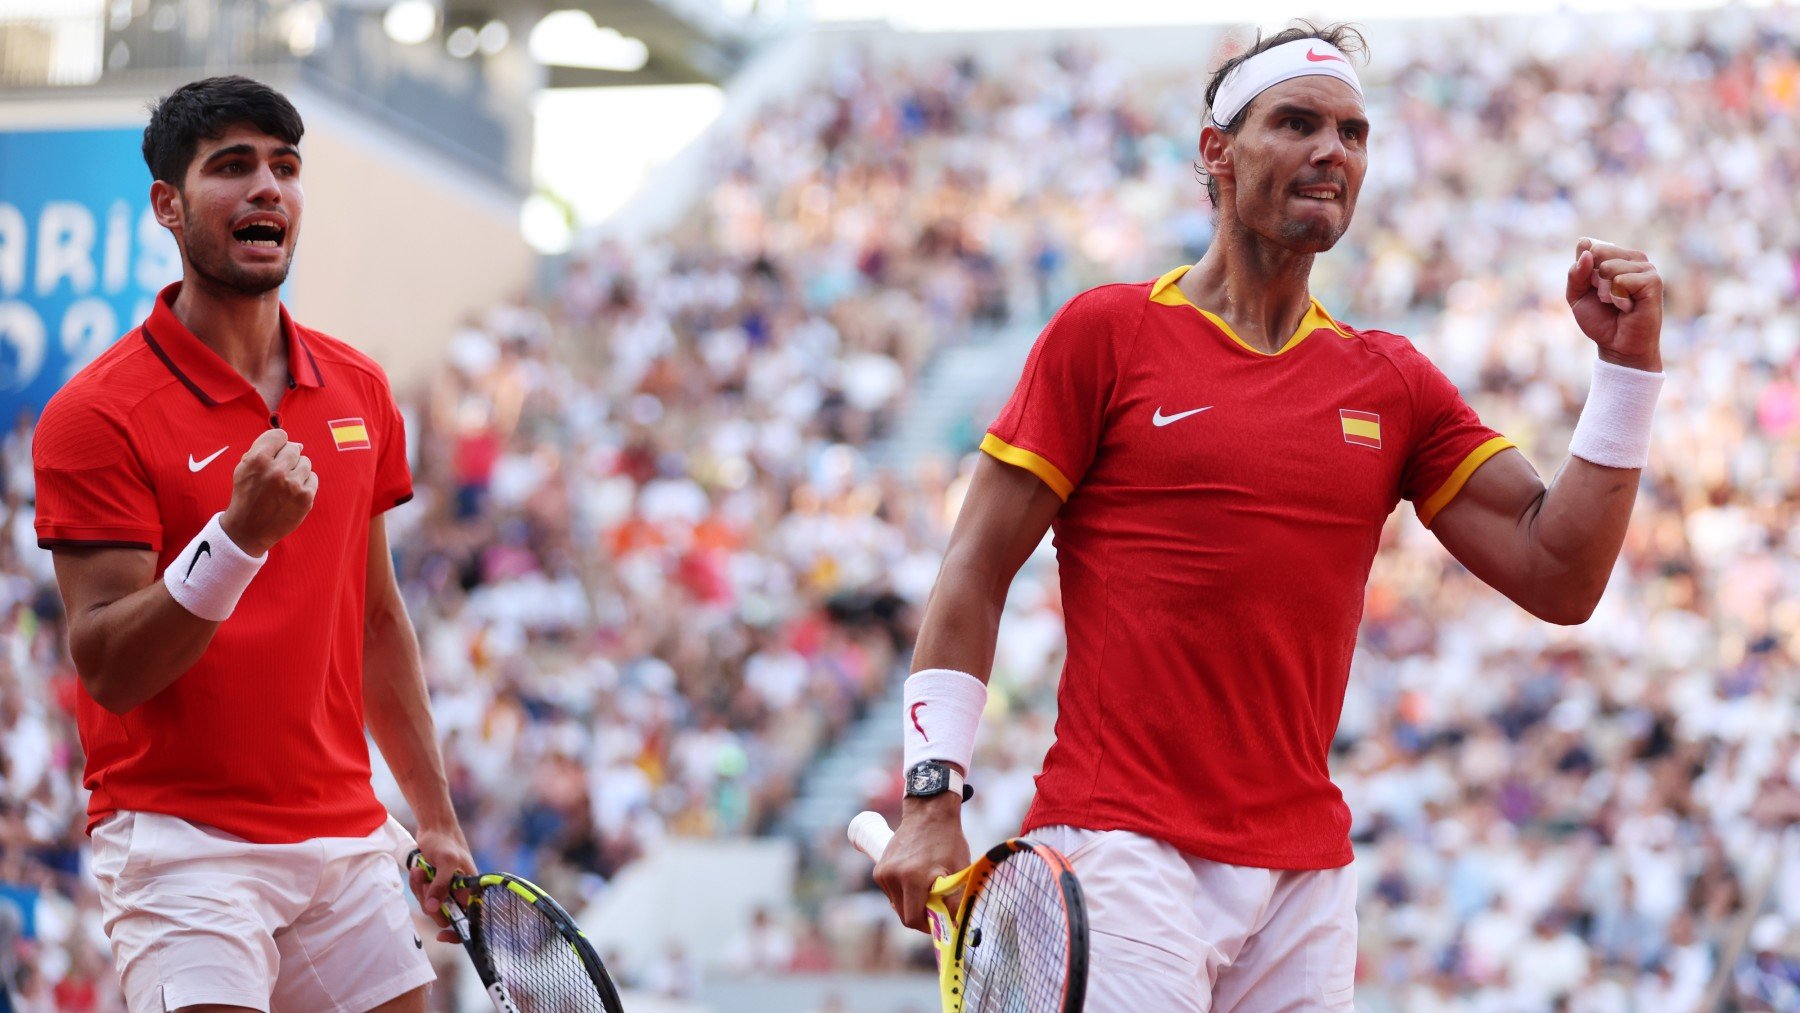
x,y
1315,237
215,266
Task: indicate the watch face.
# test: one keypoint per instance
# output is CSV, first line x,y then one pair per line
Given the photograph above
x,y
927,779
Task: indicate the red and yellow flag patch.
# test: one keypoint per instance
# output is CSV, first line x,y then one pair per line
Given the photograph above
x,y
349,434
1361,428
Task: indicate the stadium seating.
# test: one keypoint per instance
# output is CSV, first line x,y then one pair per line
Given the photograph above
x,y
657,574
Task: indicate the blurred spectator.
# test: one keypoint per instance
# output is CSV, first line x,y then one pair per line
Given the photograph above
x,y
765,947
657,567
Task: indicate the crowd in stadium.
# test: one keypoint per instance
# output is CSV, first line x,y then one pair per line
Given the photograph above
x,y
656,569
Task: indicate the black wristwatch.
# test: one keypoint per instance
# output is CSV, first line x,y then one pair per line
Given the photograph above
x,y
930,777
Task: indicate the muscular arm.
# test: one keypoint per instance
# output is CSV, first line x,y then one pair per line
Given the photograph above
x,y
397,710
1551,550
1548,549
128,638
1002,521
395,704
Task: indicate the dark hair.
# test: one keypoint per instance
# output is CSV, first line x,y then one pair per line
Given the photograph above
x,y
206,109
1346,37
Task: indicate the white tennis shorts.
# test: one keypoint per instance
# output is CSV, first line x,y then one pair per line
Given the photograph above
x,y
198,916
1170,933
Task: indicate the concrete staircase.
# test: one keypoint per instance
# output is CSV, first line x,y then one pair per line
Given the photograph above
x,y
959,381
938,421
833,791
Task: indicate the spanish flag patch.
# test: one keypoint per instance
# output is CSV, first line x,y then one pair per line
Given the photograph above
x,y
351,434
1361,428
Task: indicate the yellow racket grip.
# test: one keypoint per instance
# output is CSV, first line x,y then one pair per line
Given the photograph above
x,y
458,920
943,937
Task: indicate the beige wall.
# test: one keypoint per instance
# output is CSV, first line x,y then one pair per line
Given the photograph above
x,y
397,246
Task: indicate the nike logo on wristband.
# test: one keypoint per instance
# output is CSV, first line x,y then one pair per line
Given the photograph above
x,y
914,713
205,549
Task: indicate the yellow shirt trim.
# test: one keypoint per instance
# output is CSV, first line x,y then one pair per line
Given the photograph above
x,y
1165,292
1428,510
1019,457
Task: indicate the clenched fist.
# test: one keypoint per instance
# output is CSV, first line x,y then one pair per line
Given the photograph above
x,y
1616,295
271,493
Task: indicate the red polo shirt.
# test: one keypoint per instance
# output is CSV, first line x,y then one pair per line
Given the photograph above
x,y
263,736
1222,507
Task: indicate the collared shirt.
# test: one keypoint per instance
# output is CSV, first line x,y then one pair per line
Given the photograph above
x,y
1222,508
263,736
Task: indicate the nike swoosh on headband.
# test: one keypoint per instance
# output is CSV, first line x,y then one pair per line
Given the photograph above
x,y
1265,70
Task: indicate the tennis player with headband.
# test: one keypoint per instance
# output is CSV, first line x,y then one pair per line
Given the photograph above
x,y
1217,455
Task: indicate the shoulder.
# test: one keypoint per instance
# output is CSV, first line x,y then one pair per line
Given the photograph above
x,y
1106,311
1382,342
1412,365
125,374
90,412
1119,299
330,352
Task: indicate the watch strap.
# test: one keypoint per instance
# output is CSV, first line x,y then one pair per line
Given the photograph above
x,y
953,783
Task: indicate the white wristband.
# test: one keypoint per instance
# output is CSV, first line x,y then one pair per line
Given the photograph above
x,y
210,575
943,709
1614,429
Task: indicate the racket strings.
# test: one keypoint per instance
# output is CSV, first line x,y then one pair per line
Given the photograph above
x,y
533,959
1016,944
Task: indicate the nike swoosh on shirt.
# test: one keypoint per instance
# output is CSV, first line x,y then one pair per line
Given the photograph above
x,y
1322,57
1160,420
194,465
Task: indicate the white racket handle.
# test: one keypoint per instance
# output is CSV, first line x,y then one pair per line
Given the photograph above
x,y
870,834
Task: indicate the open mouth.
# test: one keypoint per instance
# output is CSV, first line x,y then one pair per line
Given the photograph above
x,y
260,233
1327,193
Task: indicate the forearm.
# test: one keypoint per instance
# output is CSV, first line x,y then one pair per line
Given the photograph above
x,y
1579,523
1574,532
397,710
961,623
127,651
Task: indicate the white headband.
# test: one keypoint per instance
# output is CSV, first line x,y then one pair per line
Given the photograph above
x,y
1265,70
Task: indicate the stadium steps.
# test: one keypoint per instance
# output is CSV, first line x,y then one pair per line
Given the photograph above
x,y
939,418
834,790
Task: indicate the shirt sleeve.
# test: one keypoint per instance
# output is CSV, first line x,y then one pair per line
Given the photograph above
x,y
92,489
1449,441
393,477
1051,426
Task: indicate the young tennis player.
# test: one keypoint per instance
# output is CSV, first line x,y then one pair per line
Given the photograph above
x,y
212,489
1217,455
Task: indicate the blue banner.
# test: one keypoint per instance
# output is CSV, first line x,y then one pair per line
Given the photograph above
x,y
81,257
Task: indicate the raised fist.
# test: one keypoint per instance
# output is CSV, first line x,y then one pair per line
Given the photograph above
x,y
271,493
1616,295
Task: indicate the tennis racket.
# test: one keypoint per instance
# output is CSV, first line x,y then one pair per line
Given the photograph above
x,y
528,952
1018,941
